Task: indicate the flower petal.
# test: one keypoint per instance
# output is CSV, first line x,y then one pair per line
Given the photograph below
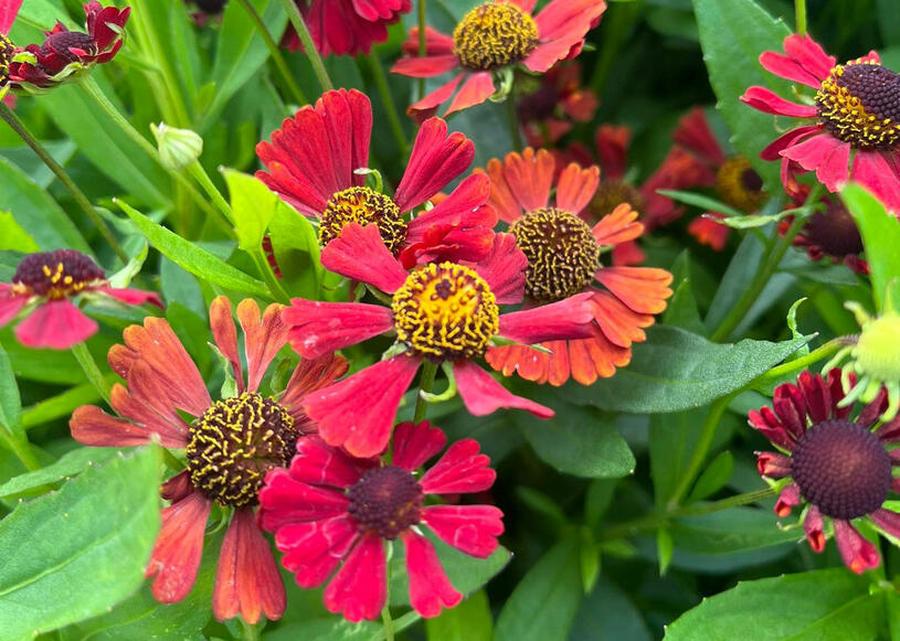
x,y
415,443
179,546
482,395
359,589
318,328
57,324
429,588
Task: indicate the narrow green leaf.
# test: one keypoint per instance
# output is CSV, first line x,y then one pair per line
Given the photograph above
x,y
192,258
471,620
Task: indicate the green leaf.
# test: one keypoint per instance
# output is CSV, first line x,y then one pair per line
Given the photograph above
x,y
732,35
253,205
10,401
192,258
87,546
578,441
714,477
826,605
36,212
881,238
13,237
676,370
471,620
544,604
70,464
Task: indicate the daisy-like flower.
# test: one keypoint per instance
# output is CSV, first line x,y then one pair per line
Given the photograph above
x,y
832,461
42,291
346,27
853,127
312,162
490,41
64,54
229,445
563,254
444,312
548,112
330,509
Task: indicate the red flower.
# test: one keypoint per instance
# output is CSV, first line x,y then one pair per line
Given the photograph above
x,y
230,444
443,312
64,53
563,254
855,114
548,112
346,27
492,38
833,461
312,162
330,509
44,286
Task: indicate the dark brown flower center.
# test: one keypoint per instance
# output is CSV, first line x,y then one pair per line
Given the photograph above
x,y
613,193
386,501
562,253
56,274
494,35
364,206
841,468
235,443
738,184
834,231
63,42
859,103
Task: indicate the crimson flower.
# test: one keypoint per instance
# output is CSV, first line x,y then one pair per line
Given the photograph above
x,y
230,445
330,509
64,53
493,38
312,163
853,128
834,463
564,254
440,311
346,27
44,286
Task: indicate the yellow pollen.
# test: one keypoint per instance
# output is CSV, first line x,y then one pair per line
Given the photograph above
x,y
495,34
446,311
364,206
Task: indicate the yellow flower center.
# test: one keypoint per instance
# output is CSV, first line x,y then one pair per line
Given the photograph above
x,y
562,253
364,206
859,103
446,311
738,184
494,35
878,349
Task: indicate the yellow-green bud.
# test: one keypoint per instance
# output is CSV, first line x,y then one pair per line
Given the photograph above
x,y
178,148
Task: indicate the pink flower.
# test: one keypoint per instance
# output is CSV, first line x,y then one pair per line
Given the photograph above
x,y
852,130
346,27
333,514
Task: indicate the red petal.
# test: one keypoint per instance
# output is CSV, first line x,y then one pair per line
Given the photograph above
x,y
483,395
57,324
429,588
318,328
359,590
471,528
415,443
463,469
179,546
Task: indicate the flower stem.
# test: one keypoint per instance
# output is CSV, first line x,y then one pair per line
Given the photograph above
x,y
426,383
309,46
91,370
387,99
388,623
77,195
275,51
423,42
800,15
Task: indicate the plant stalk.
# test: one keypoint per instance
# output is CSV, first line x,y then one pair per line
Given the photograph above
x,y
309,47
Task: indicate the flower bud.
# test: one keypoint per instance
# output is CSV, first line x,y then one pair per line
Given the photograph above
x,y
178,148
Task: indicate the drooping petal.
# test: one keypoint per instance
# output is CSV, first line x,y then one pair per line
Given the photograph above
x,y
360,253
359,589
477,88
482,395
285,500
504,270
247,580
429,588
569,318
415,443
463,469
313,550
225,334
576,187
814,527
318,328
857,553
471,528
56,324
176,555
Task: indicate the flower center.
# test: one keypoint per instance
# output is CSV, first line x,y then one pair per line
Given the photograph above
x,y
562,253
61,43
738,184
841,468
859,103
613,193
56,274
877,351
364,206
234,444
446,311
6,53
494,35
834,231
385,501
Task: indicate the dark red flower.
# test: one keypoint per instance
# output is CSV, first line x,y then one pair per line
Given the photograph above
x,y
44,286
833,460
493,38
547,113
64,54
312,164
853,127
346,27
333,516
230,445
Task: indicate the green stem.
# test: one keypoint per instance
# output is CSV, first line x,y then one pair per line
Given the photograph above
x,y
275,52
514,128
800,15
770,262
390,105
426,383
309,47
91,370
388,623
423,42
21,447
77,195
